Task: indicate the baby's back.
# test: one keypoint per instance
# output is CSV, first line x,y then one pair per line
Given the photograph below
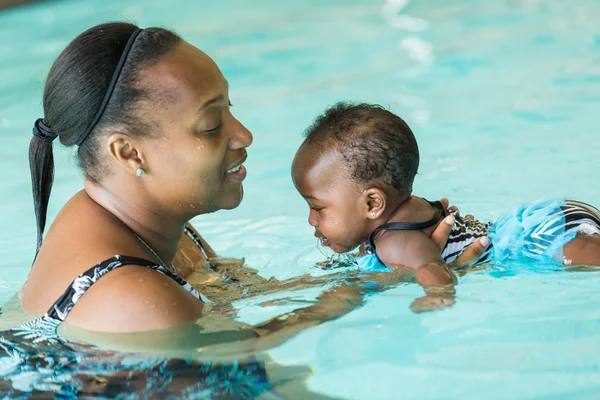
x,y
463,234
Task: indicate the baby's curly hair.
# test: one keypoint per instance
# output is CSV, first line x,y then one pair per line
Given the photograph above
x,y
374,143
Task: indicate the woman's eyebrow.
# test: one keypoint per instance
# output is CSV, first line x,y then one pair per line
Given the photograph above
x,y
217,99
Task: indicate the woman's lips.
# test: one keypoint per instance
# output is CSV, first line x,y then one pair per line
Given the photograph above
x,y
238,173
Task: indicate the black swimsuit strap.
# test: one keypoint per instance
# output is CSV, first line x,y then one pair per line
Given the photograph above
x,y
196,239
85,280
407,226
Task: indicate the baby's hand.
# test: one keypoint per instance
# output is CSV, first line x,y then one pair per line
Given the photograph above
x,y
431,303
434,274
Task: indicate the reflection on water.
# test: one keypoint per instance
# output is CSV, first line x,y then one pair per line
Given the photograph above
x,y
69,370
32,365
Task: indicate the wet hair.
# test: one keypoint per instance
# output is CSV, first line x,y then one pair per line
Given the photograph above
x,y
374,143
74,91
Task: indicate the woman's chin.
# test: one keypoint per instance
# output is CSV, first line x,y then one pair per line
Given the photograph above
x,y
232,200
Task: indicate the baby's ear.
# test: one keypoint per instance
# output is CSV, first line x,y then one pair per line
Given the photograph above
x,y
375,202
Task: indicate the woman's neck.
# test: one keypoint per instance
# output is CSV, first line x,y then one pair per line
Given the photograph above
x,y
160,231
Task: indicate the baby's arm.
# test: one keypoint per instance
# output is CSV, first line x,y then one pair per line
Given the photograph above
x,y
414,251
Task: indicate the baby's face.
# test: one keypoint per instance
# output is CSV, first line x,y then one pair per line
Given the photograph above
x,y
337,207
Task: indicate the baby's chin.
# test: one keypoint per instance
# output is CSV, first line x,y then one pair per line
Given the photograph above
x,y
340,249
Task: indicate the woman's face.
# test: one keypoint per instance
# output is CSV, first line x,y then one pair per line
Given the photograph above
x,y
195,162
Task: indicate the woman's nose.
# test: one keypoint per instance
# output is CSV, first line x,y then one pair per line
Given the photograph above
x,y
241,137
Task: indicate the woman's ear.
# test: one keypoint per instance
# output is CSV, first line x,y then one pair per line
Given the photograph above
x,y
375,201
126,152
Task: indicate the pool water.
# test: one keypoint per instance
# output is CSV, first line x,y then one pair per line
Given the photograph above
x,y
503,97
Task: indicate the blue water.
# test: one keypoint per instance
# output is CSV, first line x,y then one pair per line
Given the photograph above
x,y
503,97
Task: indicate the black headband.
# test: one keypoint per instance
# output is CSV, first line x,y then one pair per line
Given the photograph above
x,y
43,131
111,87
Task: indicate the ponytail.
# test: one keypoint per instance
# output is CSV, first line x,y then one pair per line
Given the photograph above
x,y
41,165
93,84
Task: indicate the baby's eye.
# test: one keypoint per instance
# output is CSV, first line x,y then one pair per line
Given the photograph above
x,y
317,209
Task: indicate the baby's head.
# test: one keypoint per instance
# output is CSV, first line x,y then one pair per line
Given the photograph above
x,y
356,165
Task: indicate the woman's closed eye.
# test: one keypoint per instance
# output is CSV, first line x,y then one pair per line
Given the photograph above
x,y
217,128
317,209
214,130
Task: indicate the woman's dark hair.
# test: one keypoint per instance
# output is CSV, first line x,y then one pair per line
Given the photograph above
x,y
374,143
74,91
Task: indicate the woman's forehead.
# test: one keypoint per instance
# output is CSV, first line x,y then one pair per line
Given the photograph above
x,y
186,74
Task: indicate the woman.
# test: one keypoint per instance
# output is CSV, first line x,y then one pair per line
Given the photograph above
x,y
158,144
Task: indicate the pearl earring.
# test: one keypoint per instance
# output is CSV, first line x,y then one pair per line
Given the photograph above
x,y
373,214
140,172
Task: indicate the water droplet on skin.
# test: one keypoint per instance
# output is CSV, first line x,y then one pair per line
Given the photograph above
x,y
193,206
179,205
153,305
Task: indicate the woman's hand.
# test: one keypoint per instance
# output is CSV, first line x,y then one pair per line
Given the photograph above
x,y
222,264
442,232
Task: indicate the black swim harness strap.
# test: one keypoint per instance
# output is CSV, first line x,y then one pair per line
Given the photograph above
x,y
407,226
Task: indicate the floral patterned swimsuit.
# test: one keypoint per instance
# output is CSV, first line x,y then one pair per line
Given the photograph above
x,y
44,328
35,361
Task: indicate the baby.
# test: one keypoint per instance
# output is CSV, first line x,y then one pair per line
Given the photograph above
x,y
356,169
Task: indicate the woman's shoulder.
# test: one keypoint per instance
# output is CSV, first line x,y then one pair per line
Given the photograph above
x,y
134,299
81,237
122,293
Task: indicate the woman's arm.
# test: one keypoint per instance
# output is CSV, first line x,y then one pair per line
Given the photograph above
x,y
330,305
189,259
209,250
442,233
